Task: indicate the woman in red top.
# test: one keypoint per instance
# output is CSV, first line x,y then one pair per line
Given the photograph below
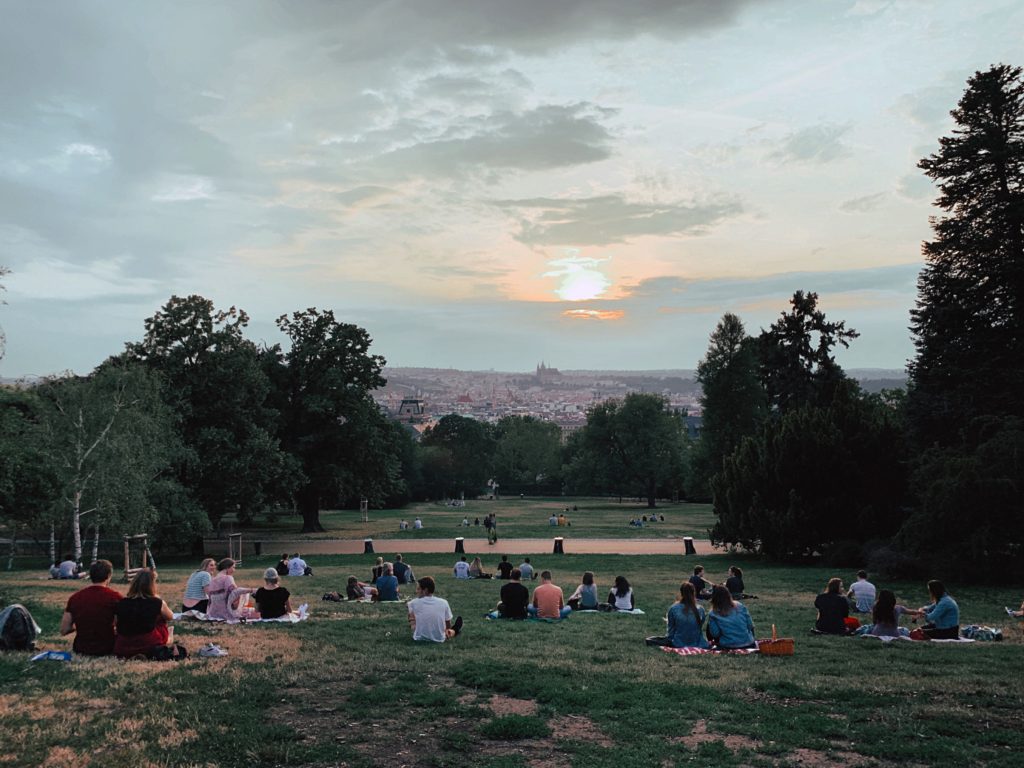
x,y
141,618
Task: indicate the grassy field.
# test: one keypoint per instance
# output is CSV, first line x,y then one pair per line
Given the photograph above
x,y
349,687
594,519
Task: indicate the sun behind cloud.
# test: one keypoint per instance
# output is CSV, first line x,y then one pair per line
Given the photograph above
x,y
594,314
581,276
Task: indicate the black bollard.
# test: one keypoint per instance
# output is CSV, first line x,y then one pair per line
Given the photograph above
x,y
558,546
459,542
688,543
367,546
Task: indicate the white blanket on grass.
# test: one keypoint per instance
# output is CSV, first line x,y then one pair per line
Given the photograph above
x,y
888,639
634,612
289,618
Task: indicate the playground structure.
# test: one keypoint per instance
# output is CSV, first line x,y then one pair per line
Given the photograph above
x,y
235,547
364,510
137,546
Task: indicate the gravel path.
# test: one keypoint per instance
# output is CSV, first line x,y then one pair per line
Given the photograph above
x,y
479,546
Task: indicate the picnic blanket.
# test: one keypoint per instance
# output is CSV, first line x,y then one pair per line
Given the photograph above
x,y
634,612
691,651
887,639
292,618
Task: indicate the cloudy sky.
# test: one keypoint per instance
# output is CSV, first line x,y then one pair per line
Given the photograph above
x,y
479,183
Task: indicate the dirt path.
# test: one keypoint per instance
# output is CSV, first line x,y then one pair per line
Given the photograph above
x,y
480,546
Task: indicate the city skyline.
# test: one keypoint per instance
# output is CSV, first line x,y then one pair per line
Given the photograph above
x,y
480,185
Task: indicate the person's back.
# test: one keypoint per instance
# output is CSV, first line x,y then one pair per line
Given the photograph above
x,y
733,629
684,626
296,566
387,587
272,599
526,570
833,609
68,569
588,597
863,593
515,598
401,571
90,613
735,585
504,568
548,600
461,569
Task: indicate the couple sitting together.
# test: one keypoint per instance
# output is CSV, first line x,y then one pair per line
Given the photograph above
x,y
548,602
727,626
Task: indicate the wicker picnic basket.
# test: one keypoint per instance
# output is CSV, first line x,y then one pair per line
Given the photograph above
x,y
777,646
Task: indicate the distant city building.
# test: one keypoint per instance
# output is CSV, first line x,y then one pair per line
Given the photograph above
x,y
545,374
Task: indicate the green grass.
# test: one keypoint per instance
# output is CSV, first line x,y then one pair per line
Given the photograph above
x,y
349,687
594,519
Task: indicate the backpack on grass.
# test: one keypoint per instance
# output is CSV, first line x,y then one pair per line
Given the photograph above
x,y
18,630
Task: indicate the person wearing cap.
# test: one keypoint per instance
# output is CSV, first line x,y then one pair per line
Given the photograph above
x,y
272,600
224,593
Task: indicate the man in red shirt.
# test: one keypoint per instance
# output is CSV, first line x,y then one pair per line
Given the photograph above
x,y
90,613
548,601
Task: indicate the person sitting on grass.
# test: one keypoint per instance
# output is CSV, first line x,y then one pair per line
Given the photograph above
x,y
620,597
735,582
67,569
729,623
378,569
195,598
403,572
272,600
461,569
685,620
359,590
141,618
833,609
297,566
225,595
585,596
476,570
430,617
387,585
943,614
553,520
504,568
527,570
701,585
515,599
1017,614
548,602
282,565
885,614
90,613
862,593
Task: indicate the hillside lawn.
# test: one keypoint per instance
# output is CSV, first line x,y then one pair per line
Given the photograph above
x,y
595,518
349,687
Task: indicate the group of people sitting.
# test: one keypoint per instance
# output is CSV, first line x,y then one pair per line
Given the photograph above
x,y
548,600
211,590
559,519
942,614
640,522
292,566
417,525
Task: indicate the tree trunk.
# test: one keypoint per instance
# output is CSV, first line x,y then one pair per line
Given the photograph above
x,y
76,525
95,543
53,546
652,490
309,507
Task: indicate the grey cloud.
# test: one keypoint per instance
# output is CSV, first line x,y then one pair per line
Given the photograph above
x,y
862,204
612,219
815,144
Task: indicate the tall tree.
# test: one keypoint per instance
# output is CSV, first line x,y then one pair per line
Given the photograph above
x,y
732,400
109,438
968,323
461,455
215,381
528,454
325,379
796,363
642,438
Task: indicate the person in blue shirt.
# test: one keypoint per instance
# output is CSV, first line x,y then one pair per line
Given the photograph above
x,y
943,614
729,624
387,585
685,620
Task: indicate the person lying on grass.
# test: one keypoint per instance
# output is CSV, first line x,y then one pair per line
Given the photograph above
x,y
547,600
359,590
225,595
1017,614
585,596
943,614
685,619
620,597
476,570
272,600
430,617
141,618
515,599
833,609
729,624
387,585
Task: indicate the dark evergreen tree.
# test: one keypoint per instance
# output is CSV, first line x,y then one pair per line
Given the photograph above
x,y
968,323
732,400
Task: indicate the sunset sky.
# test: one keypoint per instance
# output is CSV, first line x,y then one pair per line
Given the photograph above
x,y
478,183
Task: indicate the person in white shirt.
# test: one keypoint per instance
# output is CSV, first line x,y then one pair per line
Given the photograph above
x,y
461,569
417,524
430,617
862,593
297,566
